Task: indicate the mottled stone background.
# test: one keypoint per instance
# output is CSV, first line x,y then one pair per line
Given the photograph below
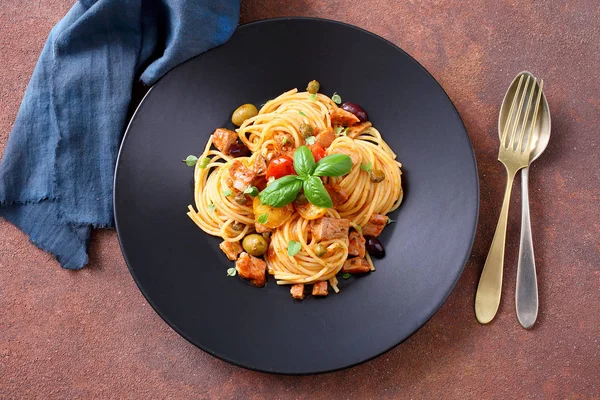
x,y
91,334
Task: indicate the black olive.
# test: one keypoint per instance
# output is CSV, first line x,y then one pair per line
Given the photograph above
x,y
374,247
356,110
239,150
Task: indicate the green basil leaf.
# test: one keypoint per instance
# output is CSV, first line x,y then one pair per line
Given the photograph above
x,y
293,248
390,221
345,275
366,167
333,165
304,162
227,192
204,162
281,191
316,193
251,190
310,140
313,97
302,113
263,218
231,272
211,207
359,229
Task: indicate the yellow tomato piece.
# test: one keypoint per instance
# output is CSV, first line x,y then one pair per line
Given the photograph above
x,y
275,216
310,211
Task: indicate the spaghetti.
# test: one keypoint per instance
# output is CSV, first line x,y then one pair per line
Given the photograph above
x,y
294,189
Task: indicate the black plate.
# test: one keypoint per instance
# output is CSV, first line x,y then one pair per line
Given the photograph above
x,y
181,270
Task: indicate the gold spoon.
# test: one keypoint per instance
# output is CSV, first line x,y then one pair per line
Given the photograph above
x,y
514,153
526,295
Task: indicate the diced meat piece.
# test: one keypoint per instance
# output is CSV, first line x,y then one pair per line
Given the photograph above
x,y
357,129
326,137
330,228
223,139
260,228
320,289
231,249
271,154
260,182
356,265
241,175
260,165
356,245
339,116
285,143
375,225
297,291
252,269
338,195
354,155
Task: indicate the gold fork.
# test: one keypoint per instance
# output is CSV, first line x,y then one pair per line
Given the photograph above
x,y
514,156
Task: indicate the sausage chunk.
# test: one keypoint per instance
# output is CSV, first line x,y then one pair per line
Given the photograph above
x,y
252,269
329,228
356,266
297,291
356,247
357,129
223,139
320,289
338,195
375,225
339,116
241,175
231,249
260,165
326,137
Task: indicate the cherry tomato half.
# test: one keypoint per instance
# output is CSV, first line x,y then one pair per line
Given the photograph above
x,y
280,166
318,151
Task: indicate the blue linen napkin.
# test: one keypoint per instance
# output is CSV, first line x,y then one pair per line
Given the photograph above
x,y
56,175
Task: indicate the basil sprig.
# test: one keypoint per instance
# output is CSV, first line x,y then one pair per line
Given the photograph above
x,y
284,190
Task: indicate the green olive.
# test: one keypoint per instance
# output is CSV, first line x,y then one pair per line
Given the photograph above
x,y
320,250
255,245
377,175
306,130
242,113
240,198
301,199
237,226
313,87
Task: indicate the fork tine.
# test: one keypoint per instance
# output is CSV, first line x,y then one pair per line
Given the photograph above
x,y
510,114
518,117
526,116
535,114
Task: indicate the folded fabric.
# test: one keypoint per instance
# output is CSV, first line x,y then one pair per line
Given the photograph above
x,y
56,175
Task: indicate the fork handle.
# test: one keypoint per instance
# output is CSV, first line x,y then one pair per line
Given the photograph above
x,y
489,290
526,296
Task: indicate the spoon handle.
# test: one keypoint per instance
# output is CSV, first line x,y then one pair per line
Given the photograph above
x,y
526,297
487,299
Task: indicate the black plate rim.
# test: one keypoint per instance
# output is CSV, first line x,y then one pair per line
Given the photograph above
x,y
250,367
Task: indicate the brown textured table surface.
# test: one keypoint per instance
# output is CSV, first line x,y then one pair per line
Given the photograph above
x,y
91,334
